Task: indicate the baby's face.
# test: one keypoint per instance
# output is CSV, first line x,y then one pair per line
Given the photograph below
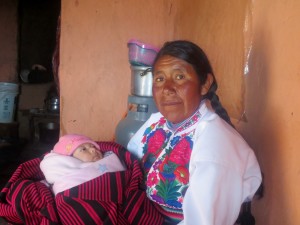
x,y
87,152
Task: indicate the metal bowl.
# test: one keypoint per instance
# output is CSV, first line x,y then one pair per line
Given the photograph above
x,y
141,81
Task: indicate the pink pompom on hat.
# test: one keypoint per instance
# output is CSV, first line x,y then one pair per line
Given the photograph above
x,y
67,144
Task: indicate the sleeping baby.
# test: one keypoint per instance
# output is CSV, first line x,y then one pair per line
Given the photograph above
x,y
76,159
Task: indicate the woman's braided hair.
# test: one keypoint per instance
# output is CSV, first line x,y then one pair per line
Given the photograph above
x,y
195,56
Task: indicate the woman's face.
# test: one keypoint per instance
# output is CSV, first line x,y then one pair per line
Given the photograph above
x,y
176,88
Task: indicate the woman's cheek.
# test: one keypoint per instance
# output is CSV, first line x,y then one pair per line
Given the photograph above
x,y
156,92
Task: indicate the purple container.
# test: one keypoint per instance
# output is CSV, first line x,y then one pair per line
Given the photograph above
x,y
141,54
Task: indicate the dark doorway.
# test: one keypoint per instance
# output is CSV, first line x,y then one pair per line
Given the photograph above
x,y
38,24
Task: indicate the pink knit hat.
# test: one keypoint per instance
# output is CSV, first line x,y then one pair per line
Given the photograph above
x,y
67,144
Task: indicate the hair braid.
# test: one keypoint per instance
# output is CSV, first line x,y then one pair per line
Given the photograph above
x,y
216,104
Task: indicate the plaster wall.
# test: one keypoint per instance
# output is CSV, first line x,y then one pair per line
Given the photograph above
x,y
273,110
254,47
218,28
94,69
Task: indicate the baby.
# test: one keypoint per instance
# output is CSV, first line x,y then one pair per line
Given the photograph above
x,y
76,159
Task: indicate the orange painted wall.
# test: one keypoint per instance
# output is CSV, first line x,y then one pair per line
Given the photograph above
x,y
261,36
273,108
218,27
94,69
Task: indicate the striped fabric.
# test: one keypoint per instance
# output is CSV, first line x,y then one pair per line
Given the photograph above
x,y
113,198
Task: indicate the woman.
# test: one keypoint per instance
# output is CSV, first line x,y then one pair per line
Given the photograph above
x,y
198,169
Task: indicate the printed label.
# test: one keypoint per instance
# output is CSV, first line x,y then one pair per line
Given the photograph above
x,y
138,107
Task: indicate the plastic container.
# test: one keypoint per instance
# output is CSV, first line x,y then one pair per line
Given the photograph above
x,y
141,54
8,95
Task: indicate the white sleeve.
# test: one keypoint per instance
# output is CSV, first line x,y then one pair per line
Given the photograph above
x,y
223,174
214,196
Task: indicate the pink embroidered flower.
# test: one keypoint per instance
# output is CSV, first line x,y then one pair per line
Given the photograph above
x,y
182,174
161,121
152,179
195,117
181,152
156,141
180,199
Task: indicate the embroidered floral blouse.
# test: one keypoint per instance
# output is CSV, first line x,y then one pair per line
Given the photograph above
x,y
202,168
166,159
